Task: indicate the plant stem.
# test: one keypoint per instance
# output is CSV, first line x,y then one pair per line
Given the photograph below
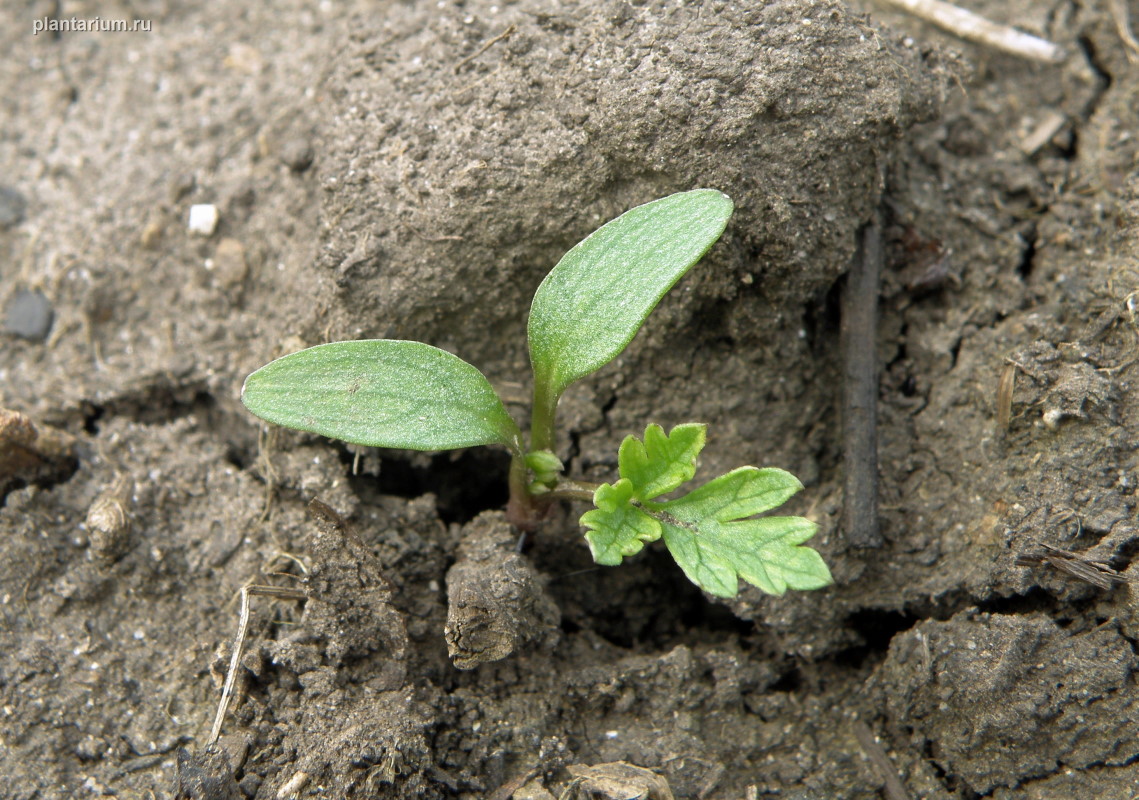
x,y
525,510
542,435
521,510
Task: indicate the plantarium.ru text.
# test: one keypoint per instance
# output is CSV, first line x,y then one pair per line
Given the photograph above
x,y
402,394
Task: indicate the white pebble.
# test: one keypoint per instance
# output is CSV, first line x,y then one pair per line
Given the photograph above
x,y
203,219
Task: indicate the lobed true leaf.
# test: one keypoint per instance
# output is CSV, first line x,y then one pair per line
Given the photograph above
x,y
661,462
617,528
741,493
711,531
766,552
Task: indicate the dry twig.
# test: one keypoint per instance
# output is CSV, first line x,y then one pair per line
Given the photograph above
x,y
489,44
1122,16
239,645
859,337
975,28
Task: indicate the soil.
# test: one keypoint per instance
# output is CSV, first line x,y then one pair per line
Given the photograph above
x,y
412,170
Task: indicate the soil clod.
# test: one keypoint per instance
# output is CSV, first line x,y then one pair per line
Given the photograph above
x,y
497,601
350,601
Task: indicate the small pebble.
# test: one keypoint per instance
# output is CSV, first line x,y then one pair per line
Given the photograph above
x,y
151,235
297,154
29,315
90,748
12,207
203,219
230,266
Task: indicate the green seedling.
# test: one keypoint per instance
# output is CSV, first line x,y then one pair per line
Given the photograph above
x,y
410,395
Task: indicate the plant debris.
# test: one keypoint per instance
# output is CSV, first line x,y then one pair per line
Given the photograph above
x,y
617,780
1091,570
31,452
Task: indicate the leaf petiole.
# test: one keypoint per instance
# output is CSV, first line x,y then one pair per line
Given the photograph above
x,y
570,489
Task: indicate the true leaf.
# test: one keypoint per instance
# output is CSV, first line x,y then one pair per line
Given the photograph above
x,y
544,465
543,462
382,393
711,531
707,536
544,468
593,302
765,552
617,528
743,492
661,462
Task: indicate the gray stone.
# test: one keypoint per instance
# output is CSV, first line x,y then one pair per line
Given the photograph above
x,y
29,315
12,207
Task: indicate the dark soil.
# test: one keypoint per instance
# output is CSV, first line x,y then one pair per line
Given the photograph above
x,y
379,174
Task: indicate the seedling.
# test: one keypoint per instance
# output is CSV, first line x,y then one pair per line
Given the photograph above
x,y
410,395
